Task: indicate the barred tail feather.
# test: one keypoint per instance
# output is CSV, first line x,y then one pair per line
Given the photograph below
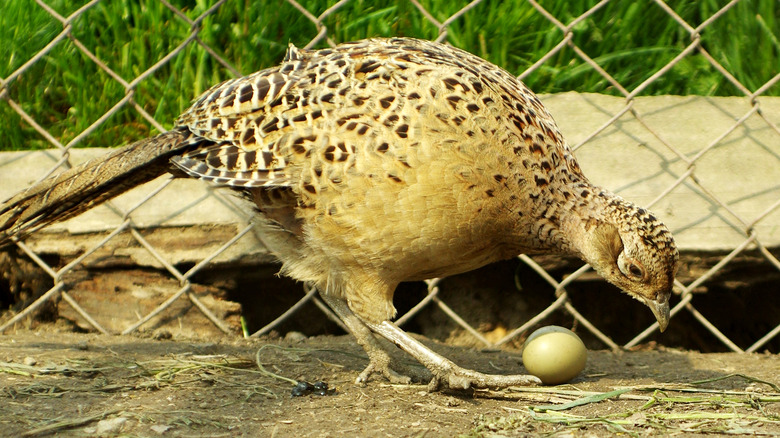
x,y
85,186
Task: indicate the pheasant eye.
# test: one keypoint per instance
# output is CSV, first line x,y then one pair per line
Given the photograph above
x,y
635,270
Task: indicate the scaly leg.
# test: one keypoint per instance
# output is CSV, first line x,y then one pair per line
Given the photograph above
x,y
445,372
379,359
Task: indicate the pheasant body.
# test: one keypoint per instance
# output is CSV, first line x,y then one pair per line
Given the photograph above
x,y
387,160
401,156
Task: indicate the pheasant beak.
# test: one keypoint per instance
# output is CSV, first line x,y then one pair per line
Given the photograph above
x,y
660,310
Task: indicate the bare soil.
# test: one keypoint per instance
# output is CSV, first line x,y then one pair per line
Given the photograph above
x,y
67,384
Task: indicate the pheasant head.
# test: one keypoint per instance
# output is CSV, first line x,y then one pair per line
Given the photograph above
x,y
627,246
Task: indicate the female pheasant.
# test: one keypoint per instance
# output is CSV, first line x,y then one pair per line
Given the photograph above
x,y
381,161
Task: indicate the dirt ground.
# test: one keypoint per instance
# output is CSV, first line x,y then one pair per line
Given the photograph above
x,y
67,384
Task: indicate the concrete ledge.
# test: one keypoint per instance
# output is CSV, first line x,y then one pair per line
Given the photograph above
x,y
741,170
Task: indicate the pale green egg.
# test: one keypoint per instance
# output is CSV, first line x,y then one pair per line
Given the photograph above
x,y
554,354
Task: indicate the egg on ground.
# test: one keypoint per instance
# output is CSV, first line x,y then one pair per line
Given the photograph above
x,y
554,354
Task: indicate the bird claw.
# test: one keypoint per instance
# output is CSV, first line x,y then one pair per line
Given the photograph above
x,y
446,374
383,369
461,378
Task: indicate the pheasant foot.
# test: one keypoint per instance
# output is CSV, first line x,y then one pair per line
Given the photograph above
x,y
380,366
379,359
445,372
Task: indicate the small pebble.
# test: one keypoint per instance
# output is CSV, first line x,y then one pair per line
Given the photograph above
x,y
295,337
754,388
30,361
160,428
109,426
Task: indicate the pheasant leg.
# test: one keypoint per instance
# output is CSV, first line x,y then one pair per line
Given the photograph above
x,y
445,372
379,359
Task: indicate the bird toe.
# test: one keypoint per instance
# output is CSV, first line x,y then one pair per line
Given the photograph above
x,y
383,370
462,378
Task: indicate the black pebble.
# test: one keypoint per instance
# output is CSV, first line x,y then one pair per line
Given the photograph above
x,y
302,388
318,388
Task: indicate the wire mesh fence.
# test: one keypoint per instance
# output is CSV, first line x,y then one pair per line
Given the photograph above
x,y
749,231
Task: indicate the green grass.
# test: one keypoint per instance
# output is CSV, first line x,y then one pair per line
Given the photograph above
x,y
65,92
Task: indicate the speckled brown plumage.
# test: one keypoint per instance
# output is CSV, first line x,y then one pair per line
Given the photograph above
x,y
381,161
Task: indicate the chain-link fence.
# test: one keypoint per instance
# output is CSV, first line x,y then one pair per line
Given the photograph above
x,y
675,171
